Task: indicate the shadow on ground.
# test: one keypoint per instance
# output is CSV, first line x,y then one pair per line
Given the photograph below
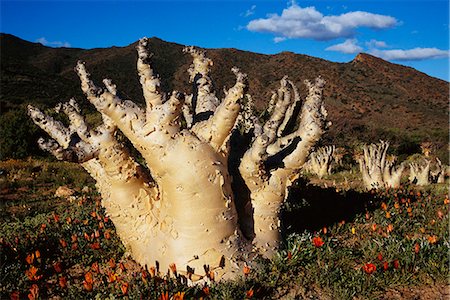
x,y
311,207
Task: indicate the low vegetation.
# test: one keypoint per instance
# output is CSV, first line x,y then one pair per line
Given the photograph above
x,y
367,245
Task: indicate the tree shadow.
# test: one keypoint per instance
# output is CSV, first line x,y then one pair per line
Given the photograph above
x,y
310,207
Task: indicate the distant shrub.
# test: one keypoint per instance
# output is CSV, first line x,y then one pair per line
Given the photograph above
x,y
18,135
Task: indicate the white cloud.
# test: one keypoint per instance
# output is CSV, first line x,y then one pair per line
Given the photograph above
x,y
299,22
249,12
376,44
56,44
348,47
278,39
410,54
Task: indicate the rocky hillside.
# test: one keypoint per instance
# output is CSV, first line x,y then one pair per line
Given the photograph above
x,y
367,98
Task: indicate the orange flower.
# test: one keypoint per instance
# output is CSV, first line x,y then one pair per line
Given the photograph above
x,y
58,267
249,294
318,242
369,268
55,217
86,236
43,226
144,276
385,265
96,234
30,258
390,228
34,292
14,295
164,296
112,277
101,225
383,206
440,214
74,238
95,246
388,215
374,227
75,246
246,270
94,214
95,267
416,248
88,277
107,235
206,291
446,200
289,255
380,256
62,282
432,239
68,220
31,273
324,230
122,267
112,263
396,264
88,286
63,243
124,288
37,254
178,296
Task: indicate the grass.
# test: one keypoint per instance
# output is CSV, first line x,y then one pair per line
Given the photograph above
x,y
353,245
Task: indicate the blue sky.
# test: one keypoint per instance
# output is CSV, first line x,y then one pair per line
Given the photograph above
x,y
412,33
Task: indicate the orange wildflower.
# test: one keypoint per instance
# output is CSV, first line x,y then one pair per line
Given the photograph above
x,y
446,200
380,256
178,296
95,246
246,270
122,267
107,235
112,277
369,268
88,277
432,239
31,273
62,282
88,286
383,206
63,243
416,248
55,217
94,214
440,214
14,295
96,234
74,238
75,246
34,292
164,296
289,255
58,267
390,228
396,264
95,267
43,226
124,288
324,230
318,242
152,271
30,258
112,263
206,290
388,215
249,294
374,227
385,266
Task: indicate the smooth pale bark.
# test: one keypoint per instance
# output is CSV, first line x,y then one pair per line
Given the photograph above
x,y
181,210
320,161
378,169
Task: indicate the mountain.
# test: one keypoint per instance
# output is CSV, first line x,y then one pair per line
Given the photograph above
x,y
367,98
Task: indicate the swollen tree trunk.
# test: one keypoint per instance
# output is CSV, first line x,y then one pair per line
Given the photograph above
x,y
181,209
320,161
420,172
377,168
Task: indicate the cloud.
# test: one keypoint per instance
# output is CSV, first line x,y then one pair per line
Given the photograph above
x,y
56,44
348,47
307,22
278,39
410,54
376,44
249,12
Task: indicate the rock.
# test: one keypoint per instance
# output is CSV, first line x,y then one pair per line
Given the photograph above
x,y
64,191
